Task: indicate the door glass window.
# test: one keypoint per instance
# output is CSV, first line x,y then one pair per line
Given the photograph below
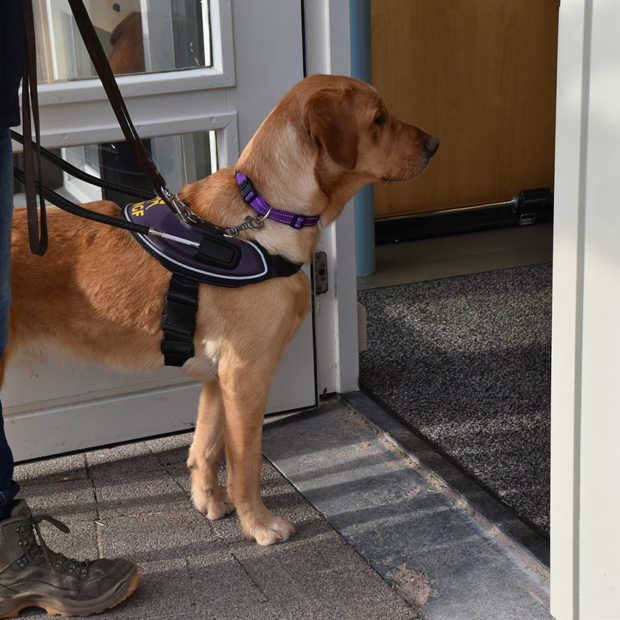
x,y
138,36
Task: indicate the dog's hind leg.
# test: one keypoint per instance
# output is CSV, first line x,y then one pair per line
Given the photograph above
x,y
205,454
244,394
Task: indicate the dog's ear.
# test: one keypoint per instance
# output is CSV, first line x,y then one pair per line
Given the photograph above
x,y
329,119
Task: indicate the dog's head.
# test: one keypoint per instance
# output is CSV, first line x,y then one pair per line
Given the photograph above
x,y
354,130
335,132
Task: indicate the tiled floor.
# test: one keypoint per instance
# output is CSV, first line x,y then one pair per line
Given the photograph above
x,y
377,537
133,501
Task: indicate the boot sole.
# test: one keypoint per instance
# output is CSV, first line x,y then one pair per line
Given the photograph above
x,y
52,610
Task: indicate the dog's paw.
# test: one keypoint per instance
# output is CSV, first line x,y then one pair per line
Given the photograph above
x,y
213,504
271,530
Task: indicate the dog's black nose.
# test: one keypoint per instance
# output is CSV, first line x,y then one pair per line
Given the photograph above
x,y
431,144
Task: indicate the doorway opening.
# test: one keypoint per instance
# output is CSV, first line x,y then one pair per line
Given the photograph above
x,y
457,344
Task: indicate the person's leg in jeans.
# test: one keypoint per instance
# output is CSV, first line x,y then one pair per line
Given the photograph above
x,y
29,574
8,487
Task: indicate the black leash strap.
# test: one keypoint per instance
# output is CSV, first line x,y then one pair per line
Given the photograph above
x,y
100,61
37,223
38,241
83,176
67,205
179,320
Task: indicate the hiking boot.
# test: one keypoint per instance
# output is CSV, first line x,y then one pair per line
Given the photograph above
x,y
31,575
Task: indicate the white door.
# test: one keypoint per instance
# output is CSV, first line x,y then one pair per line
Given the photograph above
x,y
204,74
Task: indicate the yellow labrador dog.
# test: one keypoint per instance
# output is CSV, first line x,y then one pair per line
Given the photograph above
x,y
98,294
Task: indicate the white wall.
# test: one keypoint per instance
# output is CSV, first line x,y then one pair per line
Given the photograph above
x,y
585,508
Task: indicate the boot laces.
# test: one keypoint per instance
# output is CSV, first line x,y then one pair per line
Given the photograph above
x,y
35,549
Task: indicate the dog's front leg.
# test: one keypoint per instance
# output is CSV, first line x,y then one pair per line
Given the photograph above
x,y
244,393
206,452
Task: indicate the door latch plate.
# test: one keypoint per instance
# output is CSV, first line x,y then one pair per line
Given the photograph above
x,y
321,280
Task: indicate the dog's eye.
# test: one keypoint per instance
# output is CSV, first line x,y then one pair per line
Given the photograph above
x,y
380,120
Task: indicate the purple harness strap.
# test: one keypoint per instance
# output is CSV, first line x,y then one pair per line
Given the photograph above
x,y
251,196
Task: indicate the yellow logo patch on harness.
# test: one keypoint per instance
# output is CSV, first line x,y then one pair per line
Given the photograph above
x,y
140,208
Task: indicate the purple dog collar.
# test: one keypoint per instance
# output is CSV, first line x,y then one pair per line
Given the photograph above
x,y
261,206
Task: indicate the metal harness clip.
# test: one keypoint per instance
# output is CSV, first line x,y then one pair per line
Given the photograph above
x,y
254,222
178,206
185,214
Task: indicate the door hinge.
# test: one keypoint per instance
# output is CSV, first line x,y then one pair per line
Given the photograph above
x,y
319,267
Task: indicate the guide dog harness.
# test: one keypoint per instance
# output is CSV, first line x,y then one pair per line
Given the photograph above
x,y
219,260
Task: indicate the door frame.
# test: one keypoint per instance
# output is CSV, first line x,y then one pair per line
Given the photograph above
x,y
567,310
328,50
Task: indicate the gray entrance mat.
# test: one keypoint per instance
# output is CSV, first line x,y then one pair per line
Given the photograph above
x,y
466,363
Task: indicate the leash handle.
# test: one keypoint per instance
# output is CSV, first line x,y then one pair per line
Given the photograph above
x,y
66,205
37,224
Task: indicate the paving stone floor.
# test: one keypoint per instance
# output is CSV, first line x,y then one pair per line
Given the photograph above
x,y
133,500
378,534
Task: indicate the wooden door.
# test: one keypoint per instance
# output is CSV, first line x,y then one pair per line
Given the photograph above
x,y
480,75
